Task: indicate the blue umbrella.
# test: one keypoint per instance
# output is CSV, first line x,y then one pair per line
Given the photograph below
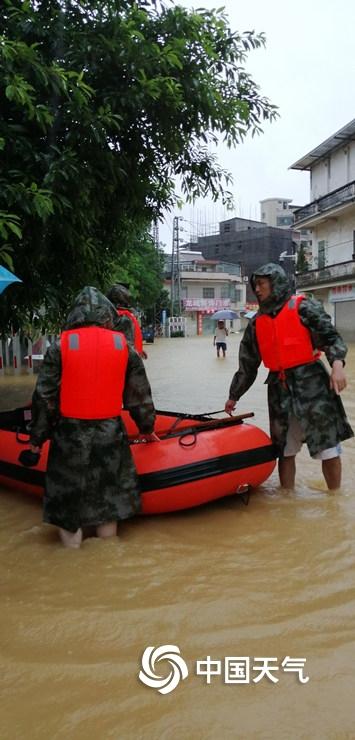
x,y
224,313
6,278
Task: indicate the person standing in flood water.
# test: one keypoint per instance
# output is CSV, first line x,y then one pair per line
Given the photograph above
x,y
85,378
220,338
304,403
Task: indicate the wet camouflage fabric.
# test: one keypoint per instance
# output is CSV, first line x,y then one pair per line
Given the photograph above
x,y
120,297
306,392
125,325
91,308
91,478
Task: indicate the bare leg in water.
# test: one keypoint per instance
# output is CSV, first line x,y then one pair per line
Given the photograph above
x,y
109,529
331,470
287,471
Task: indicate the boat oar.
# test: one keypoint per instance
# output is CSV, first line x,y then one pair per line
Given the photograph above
x,y
204,417
193,431
197,428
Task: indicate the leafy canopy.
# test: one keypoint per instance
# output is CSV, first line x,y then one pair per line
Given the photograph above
x,y
103,103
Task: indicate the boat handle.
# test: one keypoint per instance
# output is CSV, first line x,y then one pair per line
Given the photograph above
x,y
188,444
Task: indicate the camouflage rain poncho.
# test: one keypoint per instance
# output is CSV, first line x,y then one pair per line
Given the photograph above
x,y
91,478
120,297
306,393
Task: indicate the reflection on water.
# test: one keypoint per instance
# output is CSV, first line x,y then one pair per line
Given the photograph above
x,y
273,579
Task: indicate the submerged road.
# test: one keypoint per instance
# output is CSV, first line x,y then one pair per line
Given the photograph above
x,y
263,584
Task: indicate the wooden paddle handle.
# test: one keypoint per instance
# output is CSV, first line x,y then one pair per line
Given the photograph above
x,y
247,415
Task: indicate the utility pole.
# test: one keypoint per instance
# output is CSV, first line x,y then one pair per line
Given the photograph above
x,y
155,234
175,270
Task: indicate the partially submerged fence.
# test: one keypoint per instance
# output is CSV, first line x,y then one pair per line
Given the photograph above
x,y
19,354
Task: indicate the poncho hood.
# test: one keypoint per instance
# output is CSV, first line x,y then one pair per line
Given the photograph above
x,y
91,308
280,285
120,296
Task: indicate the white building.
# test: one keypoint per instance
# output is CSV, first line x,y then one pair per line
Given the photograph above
x,y
331,216
277,212
207,286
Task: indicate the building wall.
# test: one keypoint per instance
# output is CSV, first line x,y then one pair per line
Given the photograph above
x,y
333,230
231,225
351,171
333,171
276,212
192,289
195,285
319,180
338,235
251,249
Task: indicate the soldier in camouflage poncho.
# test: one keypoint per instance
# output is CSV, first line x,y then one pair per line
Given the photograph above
x,y
91,478
120,297
304,403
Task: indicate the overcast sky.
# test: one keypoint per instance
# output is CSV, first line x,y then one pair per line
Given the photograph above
x,y
308,70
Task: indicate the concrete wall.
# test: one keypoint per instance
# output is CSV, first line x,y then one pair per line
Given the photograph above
x,y
338,235
251,249
333,171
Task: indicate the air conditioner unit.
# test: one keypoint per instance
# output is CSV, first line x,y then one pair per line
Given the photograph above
x,y
245,279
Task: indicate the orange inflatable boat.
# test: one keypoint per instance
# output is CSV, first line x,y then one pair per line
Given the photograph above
x,y
198,459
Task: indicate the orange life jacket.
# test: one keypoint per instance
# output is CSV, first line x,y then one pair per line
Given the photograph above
x,y
137,331
94,362
283,340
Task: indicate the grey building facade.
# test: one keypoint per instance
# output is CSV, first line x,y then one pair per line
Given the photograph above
x,y
250,244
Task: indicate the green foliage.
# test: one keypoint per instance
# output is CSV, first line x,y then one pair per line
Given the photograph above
x,y
302,262
103,103
142,269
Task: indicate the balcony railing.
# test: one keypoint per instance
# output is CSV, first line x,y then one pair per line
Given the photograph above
x,y
339,197
331,273
228,268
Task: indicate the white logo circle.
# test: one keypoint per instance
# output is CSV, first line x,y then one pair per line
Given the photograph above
x,y
178,671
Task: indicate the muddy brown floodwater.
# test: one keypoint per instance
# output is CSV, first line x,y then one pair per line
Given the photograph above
x,y
273,580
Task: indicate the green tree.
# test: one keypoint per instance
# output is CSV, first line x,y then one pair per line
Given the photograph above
x,y
142,267
302,262
103,102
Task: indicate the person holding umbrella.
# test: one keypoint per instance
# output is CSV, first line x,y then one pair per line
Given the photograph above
x,y
219,339
221,332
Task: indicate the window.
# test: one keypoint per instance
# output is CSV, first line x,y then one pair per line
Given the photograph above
x,y
225,291
321,254
235,294
284,220
226,227
208,292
